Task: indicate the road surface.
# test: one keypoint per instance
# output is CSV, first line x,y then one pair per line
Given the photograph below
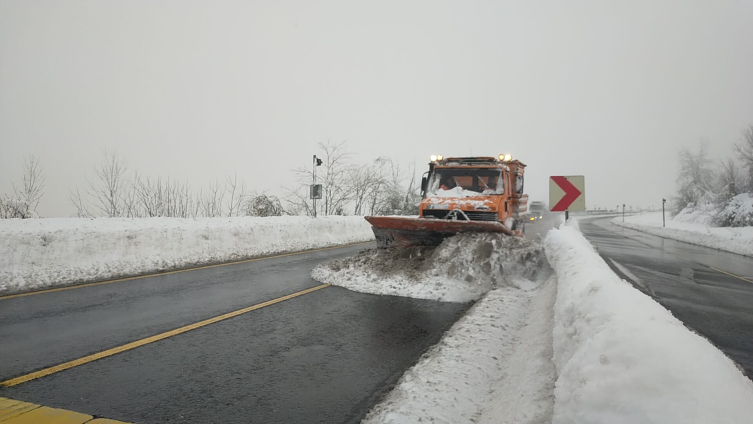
x,y
324,356
711,291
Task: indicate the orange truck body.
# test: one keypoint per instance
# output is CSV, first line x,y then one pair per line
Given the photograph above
x,y
460,194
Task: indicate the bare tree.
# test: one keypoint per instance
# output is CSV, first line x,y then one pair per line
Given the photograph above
x,y
23,204
211,200
730,182
30,192
744,152
106,191
367,185
333,175
695,179
237,192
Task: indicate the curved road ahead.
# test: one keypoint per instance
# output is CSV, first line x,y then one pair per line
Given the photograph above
x,y
325,355
709,290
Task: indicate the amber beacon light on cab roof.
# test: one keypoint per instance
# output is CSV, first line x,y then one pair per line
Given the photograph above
x,y
460,195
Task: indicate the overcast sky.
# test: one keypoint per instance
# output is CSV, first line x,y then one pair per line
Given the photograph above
x,y
197,90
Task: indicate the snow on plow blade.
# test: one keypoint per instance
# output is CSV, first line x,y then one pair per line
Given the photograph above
x,y
393,231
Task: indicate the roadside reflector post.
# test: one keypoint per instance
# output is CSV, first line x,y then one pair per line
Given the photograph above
x,y
663,220
567,215
623,212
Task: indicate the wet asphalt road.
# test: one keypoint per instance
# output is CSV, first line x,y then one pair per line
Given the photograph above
x,y
681,277
325,356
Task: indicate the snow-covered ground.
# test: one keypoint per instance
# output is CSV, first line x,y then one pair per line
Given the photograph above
x,y
493,366
563,340
692,227
38,253
622,358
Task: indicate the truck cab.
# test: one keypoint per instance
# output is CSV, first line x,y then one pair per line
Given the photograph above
x,y
475,189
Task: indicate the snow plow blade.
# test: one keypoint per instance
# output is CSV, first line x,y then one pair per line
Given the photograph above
x,y
393,231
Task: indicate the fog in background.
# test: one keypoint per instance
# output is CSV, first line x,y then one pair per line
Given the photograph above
x,y
199,90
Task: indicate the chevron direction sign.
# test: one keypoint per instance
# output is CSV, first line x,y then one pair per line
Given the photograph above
x,y
567,193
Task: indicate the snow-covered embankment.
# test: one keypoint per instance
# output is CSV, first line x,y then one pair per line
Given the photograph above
x,y
38,253
623,358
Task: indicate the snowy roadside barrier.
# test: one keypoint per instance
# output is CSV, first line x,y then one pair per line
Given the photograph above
x,y
39,253
622,358
691,229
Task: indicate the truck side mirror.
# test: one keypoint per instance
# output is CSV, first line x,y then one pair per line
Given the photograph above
x,y
424,183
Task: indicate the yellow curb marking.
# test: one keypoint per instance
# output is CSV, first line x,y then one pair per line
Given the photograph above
x,y
17,412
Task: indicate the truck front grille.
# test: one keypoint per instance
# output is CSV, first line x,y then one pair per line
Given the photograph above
x,y
472,215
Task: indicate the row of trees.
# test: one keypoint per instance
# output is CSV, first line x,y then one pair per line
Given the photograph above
x,y
378,187
703,183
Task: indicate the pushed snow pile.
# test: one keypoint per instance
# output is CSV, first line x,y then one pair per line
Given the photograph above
x,y
39,253
730,239
623,358
461,269
493,366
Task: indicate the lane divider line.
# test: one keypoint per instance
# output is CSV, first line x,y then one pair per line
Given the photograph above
x,y
118,280
138,343
731,274
677,254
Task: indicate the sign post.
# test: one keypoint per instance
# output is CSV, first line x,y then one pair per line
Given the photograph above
x,y
663,220
567,193
316,189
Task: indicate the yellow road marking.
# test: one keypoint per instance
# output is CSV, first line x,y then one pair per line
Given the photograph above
x,y
17,412
731,274
133,345
10,408
78,286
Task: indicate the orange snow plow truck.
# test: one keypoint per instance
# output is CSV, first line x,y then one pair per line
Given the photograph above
x,y
460,195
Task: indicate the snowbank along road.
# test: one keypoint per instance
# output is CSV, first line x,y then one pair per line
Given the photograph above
x,y
709,290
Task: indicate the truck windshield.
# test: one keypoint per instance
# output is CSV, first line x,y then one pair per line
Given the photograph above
x,y
459,182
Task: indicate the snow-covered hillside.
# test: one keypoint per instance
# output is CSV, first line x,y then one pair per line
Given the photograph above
x,y
38,253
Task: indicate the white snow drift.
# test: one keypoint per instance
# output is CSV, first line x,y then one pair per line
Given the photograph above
x,y
39,253
461,269
623,358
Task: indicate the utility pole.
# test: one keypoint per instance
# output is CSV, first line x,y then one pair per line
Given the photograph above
x,y
663,220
